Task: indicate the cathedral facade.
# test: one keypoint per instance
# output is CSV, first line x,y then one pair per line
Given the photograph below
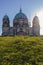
x,y
20,25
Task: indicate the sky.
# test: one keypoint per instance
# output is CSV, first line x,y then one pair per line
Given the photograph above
x,y
29,7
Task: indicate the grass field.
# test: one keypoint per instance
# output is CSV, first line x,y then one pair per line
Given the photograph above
x,y
21,50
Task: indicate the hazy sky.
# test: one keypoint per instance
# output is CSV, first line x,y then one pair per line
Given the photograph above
x,y
12,7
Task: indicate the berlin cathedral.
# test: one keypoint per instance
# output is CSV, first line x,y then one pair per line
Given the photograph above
x,y
20,25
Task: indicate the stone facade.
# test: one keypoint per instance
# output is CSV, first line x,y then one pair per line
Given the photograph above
x,y
20,25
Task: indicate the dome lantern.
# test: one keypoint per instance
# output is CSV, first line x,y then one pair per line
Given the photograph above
x,y
20,10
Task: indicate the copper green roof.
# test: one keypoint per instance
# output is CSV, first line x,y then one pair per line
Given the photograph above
x,y
5,17
20,15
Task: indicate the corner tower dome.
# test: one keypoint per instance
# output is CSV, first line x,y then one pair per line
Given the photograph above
x,y
5,17
20,15
36,19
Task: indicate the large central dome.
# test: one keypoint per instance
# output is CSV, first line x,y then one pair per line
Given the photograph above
x,y
20,15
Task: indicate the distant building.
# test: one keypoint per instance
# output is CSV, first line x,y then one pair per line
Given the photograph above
x,y
20,25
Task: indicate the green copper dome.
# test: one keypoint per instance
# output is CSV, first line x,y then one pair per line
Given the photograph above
x,y
5,17
20,15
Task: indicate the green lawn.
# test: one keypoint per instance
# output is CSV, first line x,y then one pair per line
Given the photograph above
x,y
21,50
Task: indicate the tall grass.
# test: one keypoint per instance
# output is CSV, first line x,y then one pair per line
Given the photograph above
x,y
21,50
